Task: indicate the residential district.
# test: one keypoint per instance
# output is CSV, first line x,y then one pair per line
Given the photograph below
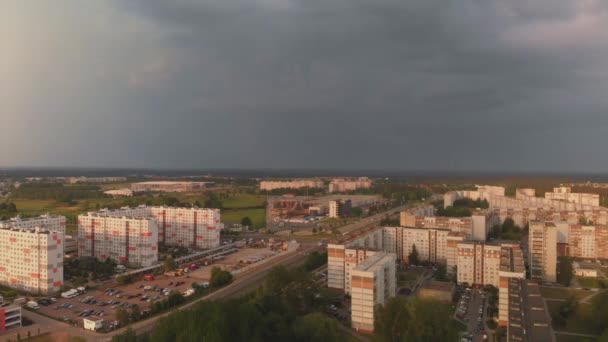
x,y
506,267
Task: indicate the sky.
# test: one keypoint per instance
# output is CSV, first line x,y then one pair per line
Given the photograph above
x,y
483,85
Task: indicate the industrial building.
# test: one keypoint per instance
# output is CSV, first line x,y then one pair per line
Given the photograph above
x,y
119,193
292,184
345,185
168,186
32,259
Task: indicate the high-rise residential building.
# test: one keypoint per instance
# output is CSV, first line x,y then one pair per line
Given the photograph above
x,y
565,193
293,184
128,240
169,186
475,227
511,268
48,222
31,259
132,234
542,247
372,283
339,208
345,185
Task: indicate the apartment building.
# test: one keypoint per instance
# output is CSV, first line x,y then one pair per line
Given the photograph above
x,y
497,200
293,184
511,268
542,245
31,260
475,227
48,222
564,193
483,192
132,235
339,208
343,258
480,263
127,240
344,185
373,282
168,186
10,317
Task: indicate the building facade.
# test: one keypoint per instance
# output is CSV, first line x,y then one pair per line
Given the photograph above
x,y
345,185
132,234
565,193
31,260
168,186
294,184
373,282
49,222
542,246
10,317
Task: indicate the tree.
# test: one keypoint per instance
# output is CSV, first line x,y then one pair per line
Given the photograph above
x,y
413,257
122,316
220,277
401,319
565,271
315,327
441,273
246,221
169,264
124,279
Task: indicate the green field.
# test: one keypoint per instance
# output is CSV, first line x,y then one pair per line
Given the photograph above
x,y
591,282
257,216
244,201
563,293
578,322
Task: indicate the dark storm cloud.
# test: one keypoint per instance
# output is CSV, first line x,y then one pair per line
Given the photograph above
x,y
422,84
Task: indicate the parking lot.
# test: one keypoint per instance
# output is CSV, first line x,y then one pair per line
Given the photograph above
x,y
471,310
106,299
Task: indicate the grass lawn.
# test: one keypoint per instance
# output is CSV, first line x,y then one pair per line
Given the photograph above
x,y
34,207
578,322
563,293
244,201
570,338
591,282
257,216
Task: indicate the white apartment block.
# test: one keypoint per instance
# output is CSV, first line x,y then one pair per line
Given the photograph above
x,y
475,227
294,184
483,192
344,185
373,282
127,240
542,247
497,200
334,209
565,193
168,186
31,259
136,232
48,222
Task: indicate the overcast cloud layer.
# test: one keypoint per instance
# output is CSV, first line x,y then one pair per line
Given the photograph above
x,y
501,85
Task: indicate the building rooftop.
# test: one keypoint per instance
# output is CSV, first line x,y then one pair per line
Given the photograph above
x,y
512,260
375,261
